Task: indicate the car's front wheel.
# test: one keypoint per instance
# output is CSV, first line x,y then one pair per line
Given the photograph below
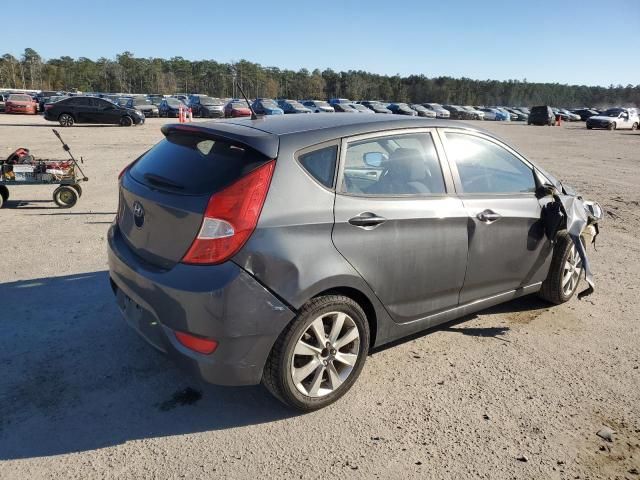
x,y
126,121
612,126
66,120
319,356
564,273
634,126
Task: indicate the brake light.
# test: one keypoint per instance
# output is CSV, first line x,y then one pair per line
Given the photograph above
x,y
202,345
230,218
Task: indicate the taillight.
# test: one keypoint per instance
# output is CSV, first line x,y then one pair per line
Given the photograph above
x,y
202,345
230,218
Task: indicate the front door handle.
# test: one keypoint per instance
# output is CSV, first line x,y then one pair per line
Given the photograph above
x,y
488,216
367,219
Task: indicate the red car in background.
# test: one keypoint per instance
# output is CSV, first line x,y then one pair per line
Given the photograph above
x,y
237,109
21,103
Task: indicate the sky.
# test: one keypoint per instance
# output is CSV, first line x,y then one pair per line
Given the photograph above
x,y
583,42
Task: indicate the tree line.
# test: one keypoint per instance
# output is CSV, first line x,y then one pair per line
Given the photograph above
x,y
130,74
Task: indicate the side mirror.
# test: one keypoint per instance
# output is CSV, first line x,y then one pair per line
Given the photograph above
x,y
373,159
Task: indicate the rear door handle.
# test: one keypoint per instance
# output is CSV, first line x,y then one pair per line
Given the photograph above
x,y
367,219
488,216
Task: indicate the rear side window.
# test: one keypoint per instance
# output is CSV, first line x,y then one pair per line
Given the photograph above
x,y
192,165
321,164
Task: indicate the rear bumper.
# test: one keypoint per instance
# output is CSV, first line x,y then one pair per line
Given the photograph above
x,y
222,302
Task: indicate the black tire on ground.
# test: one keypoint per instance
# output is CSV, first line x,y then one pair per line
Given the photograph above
x,y
634,126
277,376
65,196
4,195
552,287
126,121
589,127
77,188
66,120
612,126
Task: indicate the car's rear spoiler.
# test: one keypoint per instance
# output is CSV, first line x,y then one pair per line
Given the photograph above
x,y
264,142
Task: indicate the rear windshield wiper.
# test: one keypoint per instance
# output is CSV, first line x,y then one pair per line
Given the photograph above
x,y
162,181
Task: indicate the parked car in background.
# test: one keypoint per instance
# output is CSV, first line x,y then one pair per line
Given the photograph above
x,y
615,119
567,115
517,115
361,108
494,114
333,101
423,111
266,106
541,115
170,107
205,106
585,113
441,112
402,109
237,108
292,106
344,108
227,256
43,96
155,98
21,103
507,114
142,104
80,109
524,110
458,113
376,106
477,114
318,106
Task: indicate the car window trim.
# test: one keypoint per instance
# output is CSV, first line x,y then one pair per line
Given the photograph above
x,y
456,174
320,146
446,172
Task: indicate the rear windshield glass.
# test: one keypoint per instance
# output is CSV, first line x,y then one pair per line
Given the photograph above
x,y
192,165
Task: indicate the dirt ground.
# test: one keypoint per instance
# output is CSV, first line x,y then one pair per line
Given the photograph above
x,y
517,391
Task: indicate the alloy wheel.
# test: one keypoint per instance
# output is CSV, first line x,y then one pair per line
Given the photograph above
x,y
325,354
571,271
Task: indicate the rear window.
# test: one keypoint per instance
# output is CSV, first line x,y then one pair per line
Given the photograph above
x,y
539,110
192,165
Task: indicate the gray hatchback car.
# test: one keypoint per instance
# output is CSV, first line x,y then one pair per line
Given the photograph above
x,y
281,250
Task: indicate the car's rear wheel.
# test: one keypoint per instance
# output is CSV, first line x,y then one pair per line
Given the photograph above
x,y
319,356
77,188
564,273
634,126
66,120
612,126
126,121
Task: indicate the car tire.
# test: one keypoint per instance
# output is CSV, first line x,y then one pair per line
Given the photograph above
x,y
332,368
65,196
126,121
558,287
634,126
66,120
611,126
589,127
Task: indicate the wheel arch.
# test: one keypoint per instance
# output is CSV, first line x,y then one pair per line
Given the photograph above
x,y
361,299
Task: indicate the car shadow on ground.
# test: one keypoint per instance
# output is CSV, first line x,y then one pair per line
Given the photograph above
x,y
529,303
75,377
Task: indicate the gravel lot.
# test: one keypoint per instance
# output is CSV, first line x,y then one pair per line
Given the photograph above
x,y
517,391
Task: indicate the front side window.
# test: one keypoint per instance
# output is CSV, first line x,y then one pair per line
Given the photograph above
x,y
404,164
485,167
